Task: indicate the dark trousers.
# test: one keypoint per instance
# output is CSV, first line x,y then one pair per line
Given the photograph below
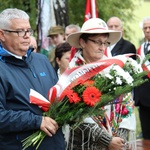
x,y
144,113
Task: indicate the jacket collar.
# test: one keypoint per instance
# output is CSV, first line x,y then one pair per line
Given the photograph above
x,y
8,57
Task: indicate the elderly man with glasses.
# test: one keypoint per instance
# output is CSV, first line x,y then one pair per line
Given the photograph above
x,y
20,71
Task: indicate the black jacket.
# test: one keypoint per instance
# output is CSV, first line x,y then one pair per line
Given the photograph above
x,y
141,93
123,47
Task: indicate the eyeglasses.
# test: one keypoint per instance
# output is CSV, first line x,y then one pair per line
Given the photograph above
x,y
99,43
21,33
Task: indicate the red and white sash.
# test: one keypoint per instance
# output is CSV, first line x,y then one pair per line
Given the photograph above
x,y
108,52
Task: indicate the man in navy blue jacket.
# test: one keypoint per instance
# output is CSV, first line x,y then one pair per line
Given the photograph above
x,y
20,71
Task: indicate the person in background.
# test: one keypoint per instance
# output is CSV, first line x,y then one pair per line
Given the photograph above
x,y
62,55
22,70
57,35
69,30
122,46
33,43
72,28
92,40
141,93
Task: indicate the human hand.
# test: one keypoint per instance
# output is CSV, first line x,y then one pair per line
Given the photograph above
x,y
128,146
49,126
116,143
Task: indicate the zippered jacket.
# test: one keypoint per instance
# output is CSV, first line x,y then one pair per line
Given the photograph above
x,y
18,117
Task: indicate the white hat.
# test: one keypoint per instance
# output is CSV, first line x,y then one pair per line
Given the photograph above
x,y
94,26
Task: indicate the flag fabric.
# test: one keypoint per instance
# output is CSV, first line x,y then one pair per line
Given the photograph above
x,y
38,99
46,20
76,75
73,51
91,10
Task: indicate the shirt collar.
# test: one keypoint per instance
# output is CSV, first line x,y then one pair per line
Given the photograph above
x,y
18,57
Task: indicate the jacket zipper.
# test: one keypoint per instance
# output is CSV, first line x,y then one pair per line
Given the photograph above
x,y
34,75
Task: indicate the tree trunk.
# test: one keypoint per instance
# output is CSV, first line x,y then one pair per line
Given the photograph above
x,y
61,12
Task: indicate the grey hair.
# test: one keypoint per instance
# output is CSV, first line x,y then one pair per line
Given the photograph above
x,y
73,26
145,19
11,13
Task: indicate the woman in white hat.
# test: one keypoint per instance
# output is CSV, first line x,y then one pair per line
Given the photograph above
x,y
93,39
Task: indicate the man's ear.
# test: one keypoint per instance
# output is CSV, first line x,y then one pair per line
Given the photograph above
x,y
122,30
2,38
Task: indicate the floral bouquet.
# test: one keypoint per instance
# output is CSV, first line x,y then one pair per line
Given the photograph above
x,y
84,91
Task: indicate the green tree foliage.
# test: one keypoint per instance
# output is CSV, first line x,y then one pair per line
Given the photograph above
x,y
106,8
76,9
28,6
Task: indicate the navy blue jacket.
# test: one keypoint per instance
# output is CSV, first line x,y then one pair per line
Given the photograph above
x,y
19,118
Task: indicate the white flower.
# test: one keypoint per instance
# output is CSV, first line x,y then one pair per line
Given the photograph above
x,y
112,82
114,88
125,75
106,70
128,78
135,66
118,81
108,76
121,75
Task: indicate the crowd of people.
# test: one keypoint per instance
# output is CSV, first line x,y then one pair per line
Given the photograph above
x,y
23,68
